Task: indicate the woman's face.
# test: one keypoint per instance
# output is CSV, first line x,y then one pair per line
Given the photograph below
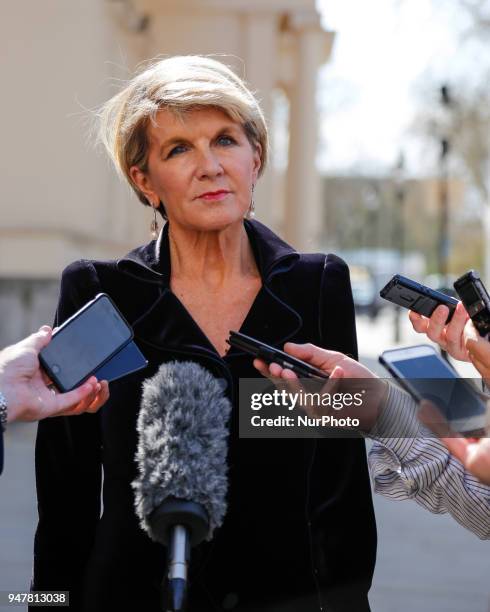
x,y
202,167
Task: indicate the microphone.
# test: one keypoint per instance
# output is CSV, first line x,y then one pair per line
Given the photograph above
x,y
180,492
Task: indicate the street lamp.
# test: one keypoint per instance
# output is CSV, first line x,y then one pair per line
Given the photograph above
x,y
445,147
399,231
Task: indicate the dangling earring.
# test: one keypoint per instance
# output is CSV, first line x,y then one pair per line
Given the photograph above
x,y
154,225
251,208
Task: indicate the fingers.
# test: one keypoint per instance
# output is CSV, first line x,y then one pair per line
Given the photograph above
x,y
291,382
474,455
436,325
101,398
470,332
479,353
271,371
419,323
337,372
316,356
39,339
288,374
82,396
275,369
91,402
479,350
262,367
328,360
334,381
455,329
478,459
482,367
458,447
45,378
450,336
282,378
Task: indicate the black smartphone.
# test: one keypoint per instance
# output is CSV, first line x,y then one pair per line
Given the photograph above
x,y
128,360
417,297
270,354
84,342
475,299
426,375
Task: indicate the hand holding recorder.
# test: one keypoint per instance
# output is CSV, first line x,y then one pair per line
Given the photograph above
x,y
24,385
459,338
465,336
345,375
442,318
451,337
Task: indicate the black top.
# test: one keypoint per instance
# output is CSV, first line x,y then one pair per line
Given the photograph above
x,y
300,516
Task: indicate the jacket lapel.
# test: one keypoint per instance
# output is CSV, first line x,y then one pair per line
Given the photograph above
x,y
167,324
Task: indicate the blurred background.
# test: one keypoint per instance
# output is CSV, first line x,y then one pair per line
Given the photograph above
x,y
380,151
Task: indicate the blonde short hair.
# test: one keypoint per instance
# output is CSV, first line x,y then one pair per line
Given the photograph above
x,y
179,84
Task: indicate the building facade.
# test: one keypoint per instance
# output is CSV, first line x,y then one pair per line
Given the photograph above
x,y
60,198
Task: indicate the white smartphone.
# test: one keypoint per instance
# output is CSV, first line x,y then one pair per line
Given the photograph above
x,y
426,375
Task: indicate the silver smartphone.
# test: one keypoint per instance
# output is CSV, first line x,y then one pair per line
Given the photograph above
x,y
426,375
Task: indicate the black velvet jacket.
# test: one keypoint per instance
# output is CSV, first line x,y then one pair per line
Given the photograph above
x,y
300,517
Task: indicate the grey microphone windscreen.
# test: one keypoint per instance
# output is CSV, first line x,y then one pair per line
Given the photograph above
x,y
183,442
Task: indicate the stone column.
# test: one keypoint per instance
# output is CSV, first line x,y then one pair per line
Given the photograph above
x,y
261,42
486,243
303,199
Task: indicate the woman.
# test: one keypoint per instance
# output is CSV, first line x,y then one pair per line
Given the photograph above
x,y
299,533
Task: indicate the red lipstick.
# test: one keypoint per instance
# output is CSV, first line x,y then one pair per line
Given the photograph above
x,y
213,195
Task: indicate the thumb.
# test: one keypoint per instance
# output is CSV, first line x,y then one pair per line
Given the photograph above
x,y
338,372
321,358
458,447
40,339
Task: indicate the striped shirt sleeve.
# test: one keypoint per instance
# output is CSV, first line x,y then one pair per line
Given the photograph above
x,y
418,466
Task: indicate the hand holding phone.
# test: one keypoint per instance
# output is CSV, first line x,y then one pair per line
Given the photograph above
x,y
419,298
426,375
347,378
270,354
478,348
85,342
451,337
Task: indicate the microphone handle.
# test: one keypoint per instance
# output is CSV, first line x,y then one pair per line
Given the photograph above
x,y
179,555
179,552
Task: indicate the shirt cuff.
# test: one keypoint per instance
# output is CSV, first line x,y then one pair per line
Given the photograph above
x,y
398,425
